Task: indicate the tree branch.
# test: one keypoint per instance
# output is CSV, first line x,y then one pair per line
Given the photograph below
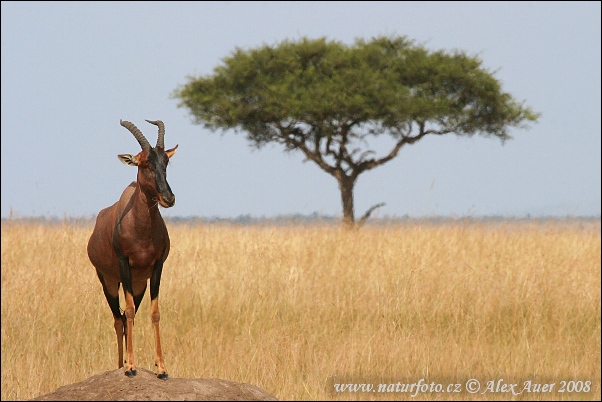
x,y
368,213
405,139
288,138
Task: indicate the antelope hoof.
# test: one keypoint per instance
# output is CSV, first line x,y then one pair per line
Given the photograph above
x,y
130,373
162,376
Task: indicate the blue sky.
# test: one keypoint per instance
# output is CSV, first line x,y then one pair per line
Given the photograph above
x,y
72,70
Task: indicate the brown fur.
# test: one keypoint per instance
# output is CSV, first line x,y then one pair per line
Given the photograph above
x,y
130,239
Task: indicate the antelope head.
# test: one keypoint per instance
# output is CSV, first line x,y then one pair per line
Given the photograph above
x,y
152,164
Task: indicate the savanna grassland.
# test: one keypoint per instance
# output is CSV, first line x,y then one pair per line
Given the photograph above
x,y
296,310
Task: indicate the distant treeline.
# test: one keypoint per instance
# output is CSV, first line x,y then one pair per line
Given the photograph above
x,y
316,218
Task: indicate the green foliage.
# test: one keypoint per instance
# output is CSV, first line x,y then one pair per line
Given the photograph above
x,y
310,88
324,98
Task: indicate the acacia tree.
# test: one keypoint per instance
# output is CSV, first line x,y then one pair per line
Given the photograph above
x,y
325,98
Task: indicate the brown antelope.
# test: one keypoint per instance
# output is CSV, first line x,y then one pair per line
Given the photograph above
x,y
130,243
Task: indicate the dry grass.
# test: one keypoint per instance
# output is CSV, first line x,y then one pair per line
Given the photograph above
x,y
294,309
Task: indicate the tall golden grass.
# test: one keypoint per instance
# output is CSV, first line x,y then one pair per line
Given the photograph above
x,y
295,310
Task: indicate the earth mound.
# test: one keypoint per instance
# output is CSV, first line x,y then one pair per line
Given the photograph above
x,y
145,386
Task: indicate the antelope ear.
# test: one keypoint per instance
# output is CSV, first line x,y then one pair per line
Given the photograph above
x,y
171,152
128,159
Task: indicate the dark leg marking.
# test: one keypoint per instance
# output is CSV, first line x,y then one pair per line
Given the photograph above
x,y
138,299
155,280
112,300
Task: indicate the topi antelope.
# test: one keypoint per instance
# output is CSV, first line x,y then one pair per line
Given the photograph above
x,y
130,243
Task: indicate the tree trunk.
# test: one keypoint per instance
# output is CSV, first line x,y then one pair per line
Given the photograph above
x,y
346,186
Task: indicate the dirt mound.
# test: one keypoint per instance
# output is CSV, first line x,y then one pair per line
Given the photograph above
x,y
145,386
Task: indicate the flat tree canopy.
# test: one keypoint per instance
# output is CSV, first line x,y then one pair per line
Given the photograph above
x,y
325,98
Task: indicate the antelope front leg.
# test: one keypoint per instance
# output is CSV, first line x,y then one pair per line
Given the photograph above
x,y
111,291
119,325
130,312
155,316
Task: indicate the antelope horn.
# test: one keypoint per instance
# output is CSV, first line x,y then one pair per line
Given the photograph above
x,y
159,123
137,133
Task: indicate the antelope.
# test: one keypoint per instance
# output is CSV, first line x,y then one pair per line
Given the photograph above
x,y
130,243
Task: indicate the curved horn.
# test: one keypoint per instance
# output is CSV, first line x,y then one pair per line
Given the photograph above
x,y
159,123
137,133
